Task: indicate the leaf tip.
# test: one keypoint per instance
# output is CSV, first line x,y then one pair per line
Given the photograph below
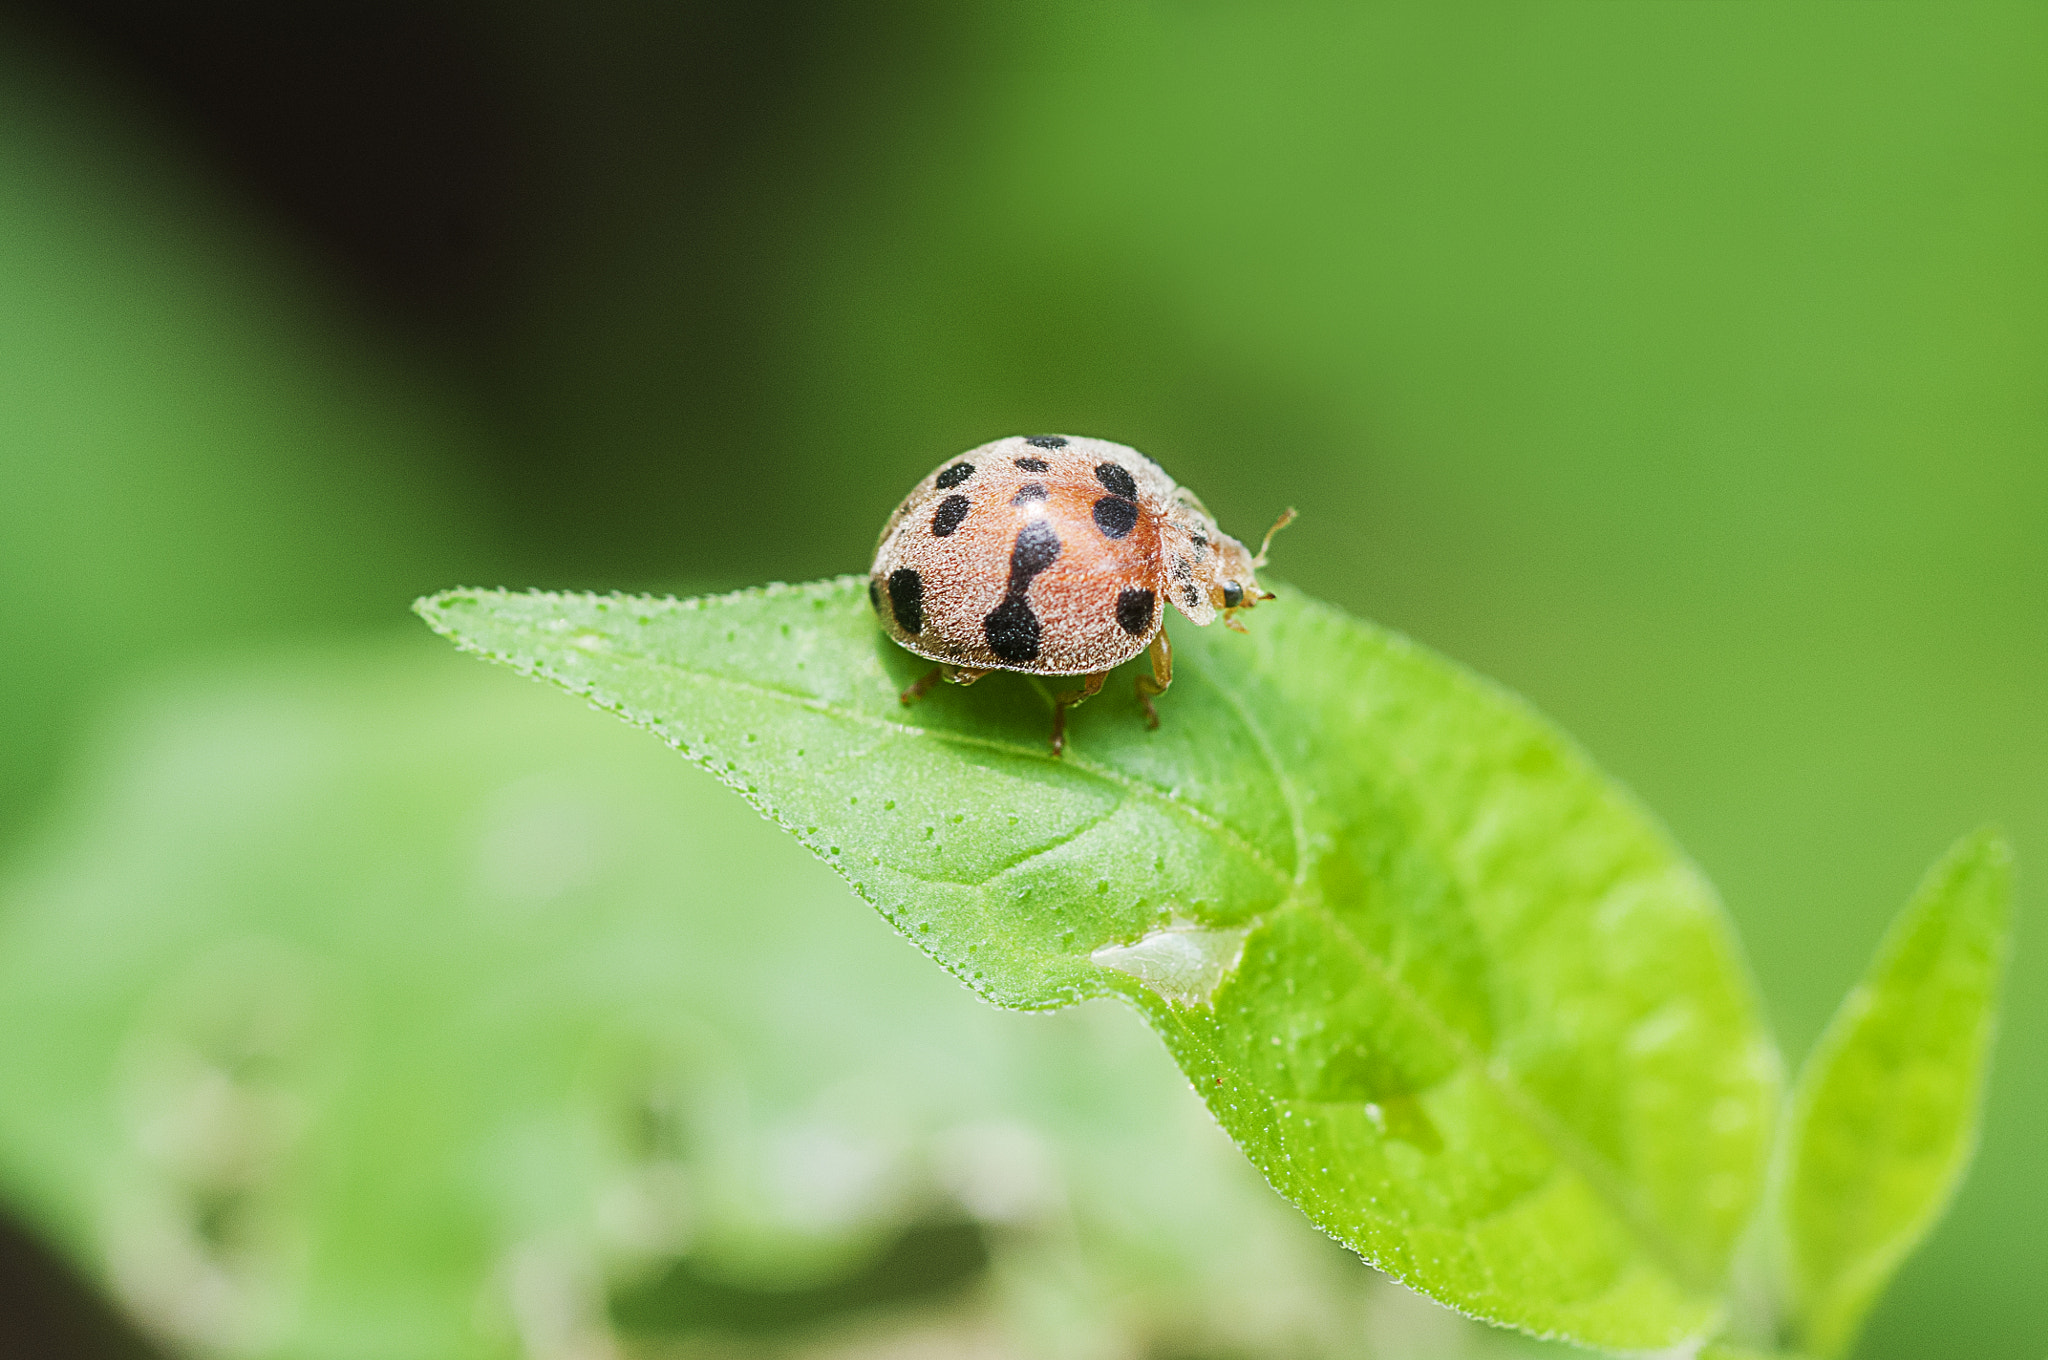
x,y
1980,867
435,606
1991,848
443,609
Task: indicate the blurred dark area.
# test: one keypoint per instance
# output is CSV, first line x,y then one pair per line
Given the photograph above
x,y
581,219
396,138
1682,367
48,1312
926,1263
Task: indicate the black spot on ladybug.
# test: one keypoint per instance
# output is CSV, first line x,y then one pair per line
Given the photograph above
x,y
1183,570
1037,548
1045,441
906,599
1134,611
947,517
1115,516
955,475
874,595
1201,542
1116,479
1011,628
1030,491
1031,464
1194,600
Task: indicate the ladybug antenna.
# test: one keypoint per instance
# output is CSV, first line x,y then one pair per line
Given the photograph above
x,y
1286,518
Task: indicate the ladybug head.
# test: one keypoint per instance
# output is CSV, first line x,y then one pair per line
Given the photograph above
x,y
1235,584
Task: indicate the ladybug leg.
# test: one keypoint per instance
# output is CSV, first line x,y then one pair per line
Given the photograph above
x,y
957,675
921,686
1090,687
1160,654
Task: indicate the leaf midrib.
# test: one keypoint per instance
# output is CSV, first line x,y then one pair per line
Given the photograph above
x,y
815,704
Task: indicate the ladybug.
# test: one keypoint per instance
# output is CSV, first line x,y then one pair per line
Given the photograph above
x,y
1055,555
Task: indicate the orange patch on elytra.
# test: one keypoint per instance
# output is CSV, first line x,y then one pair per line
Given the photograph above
x,y
968,572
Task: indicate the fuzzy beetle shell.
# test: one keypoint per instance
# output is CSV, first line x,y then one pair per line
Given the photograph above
x,y
1050,554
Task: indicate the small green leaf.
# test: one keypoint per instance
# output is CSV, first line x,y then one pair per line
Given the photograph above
x,y
1884,1116
1448,987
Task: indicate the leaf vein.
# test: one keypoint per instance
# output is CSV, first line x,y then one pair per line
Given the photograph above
x,y
1606,1181
826,708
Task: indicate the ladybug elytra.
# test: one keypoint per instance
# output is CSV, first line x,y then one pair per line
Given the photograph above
x,y
1055,555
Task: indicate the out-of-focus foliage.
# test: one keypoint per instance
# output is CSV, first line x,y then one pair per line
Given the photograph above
x,y
1448,988
1884,1117
1678,365
425,1014
177,442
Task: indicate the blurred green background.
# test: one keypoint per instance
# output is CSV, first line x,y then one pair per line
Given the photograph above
x,y
1684,367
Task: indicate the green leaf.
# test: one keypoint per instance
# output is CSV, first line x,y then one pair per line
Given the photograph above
x,y
1885,1112
1447,986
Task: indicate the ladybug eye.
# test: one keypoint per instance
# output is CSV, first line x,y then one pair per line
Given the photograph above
x,y
1233,594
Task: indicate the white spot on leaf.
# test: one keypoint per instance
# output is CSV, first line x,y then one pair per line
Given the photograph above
x,y
1184,963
